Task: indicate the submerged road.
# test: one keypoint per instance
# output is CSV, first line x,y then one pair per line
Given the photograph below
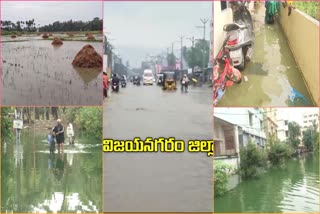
x,y
158,182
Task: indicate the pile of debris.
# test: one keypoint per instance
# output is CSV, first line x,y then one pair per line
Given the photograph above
x,y
70,34
50,34
90,37
38,34
45,36
57,41
87,58
13,36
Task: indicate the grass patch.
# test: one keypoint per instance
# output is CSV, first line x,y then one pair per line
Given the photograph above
x,y
311,8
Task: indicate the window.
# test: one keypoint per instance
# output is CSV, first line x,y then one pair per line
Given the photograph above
x,y
287,134
250,118
223,5
286,122
261,125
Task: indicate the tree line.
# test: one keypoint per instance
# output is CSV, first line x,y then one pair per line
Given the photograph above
x,y
32,26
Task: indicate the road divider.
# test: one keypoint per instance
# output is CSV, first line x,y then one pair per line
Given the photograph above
x,y
158,144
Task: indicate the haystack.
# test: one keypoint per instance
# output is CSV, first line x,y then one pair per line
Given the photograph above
x,y
57,41
45,36
13,36
90,37
87,58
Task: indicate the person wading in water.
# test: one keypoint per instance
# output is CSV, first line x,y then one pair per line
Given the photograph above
x,y
59,133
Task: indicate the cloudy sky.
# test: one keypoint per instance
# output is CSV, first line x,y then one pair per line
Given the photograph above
x,y
295,114
140,28
48,12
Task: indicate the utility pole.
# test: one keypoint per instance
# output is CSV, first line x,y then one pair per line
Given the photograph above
x,y
192,50
172,48
181,64
204,22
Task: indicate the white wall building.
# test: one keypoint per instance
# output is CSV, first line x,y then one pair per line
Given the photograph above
x,y
250,120
308,119
283,130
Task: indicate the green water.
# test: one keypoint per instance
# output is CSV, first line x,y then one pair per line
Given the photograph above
x,y
35,181
294,187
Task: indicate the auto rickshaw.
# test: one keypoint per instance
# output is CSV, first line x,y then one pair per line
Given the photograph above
x,y
169,81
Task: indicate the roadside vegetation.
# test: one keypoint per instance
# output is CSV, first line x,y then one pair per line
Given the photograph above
x,y
30,27
255,160
309,7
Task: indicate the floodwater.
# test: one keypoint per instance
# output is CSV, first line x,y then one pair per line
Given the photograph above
x,y
35,181
34,72
271,74
293,188
158,182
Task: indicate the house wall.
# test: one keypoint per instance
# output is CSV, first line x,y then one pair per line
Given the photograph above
x,y
220,18
302,32
240,117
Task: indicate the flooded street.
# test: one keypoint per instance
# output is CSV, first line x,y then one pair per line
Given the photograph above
x,y
272,74
158,182
34,72
294,188
35,181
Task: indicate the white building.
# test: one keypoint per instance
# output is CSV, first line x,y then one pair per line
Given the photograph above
x,y
309,118
283,130
234,128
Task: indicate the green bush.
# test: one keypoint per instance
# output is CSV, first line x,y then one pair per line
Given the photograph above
x,y
278,153
89,121
220,177
311,8
252,159
6,124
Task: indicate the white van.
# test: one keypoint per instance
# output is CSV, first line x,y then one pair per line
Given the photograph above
x,y
148,77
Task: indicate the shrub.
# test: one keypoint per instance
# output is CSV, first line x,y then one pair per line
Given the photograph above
x,y
220,177
279,153
252,159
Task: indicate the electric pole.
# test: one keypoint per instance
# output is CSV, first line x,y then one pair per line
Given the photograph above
x,y
204,22
181,64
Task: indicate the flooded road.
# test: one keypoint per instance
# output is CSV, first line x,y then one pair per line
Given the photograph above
x,y
294,188
36,73
35,181
272,73
158,182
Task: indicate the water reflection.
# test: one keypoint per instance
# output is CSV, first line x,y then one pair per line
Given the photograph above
x,y
294,187
35,181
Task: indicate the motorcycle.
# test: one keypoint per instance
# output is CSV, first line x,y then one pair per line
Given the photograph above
x,y
123,84
115,87
224,73
240,33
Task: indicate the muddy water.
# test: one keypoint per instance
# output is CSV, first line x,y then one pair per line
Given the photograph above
x,y
158,182
271,74
36,73
35,181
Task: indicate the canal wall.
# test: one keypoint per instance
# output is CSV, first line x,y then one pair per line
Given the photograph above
x,y
302,32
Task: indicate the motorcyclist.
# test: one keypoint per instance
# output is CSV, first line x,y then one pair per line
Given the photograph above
x,y
115,79
184,83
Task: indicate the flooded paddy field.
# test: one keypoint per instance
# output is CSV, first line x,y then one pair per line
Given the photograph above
x,y
34,72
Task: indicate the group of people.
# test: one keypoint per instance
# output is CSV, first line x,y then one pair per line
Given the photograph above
x,y
56,136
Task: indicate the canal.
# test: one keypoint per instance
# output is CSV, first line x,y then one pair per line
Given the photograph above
x,y
273,75
294,187
35,181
